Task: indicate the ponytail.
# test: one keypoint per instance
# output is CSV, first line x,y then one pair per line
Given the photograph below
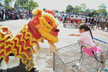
x,y
90,32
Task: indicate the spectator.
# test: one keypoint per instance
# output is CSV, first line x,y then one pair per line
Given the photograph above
x,y
30,14
1,14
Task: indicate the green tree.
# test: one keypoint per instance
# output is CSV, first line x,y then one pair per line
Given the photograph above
x,y
102,6
102,9
93,13
26,4
83,7
107,13
0,4
7,2
23,3
92,10
87,12
69,9
77,9
62,12
57,11
32,5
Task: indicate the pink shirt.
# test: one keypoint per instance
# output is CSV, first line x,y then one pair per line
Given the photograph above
x,y
86,40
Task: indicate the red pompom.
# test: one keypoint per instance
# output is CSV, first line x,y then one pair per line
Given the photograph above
x,y
50,12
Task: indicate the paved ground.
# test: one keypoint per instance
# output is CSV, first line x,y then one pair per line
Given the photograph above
x,y
43,61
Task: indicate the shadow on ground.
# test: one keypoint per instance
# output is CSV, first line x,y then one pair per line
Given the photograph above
x,y
20,68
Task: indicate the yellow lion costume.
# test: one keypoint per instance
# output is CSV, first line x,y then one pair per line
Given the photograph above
x,y
41,26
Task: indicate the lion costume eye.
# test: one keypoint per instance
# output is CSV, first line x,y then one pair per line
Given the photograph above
x,y
50,19
49,22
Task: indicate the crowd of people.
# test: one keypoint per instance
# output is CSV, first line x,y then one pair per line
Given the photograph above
x,y
102,23
93,22
8,14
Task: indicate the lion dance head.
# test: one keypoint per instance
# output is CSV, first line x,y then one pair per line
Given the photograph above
x,y
46,25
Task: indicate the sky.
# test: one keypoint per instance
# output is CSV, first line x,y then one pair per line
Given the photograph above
x,y
61,4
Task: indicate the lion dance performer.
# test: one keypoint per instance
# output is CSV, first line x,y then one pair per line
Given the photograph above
x,y
41,26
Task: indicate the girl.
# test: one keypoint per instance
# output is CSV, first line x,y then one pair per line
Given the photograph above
x,y
86,40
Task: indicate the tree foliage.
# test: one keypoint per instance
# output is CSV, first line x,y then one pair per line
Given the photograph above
x,y
26,4
23,3
83,7
0,4
69,9
102,6
77,9
89,12
102,9
32,5
7,2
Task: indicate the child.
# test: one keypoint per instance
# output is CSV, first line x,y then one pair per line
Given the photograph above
x,y
86,40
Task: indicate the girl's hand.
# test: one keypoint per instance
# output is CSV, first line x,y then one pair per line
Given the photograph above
x,y
74,35
71,34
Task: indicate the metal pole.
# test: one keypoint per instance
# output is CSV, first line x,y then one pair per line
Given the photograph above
x,y
18,4
54,61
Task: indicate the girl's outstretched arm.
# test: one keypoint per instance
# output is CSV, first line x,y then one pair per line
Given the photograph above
x,y
74,34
